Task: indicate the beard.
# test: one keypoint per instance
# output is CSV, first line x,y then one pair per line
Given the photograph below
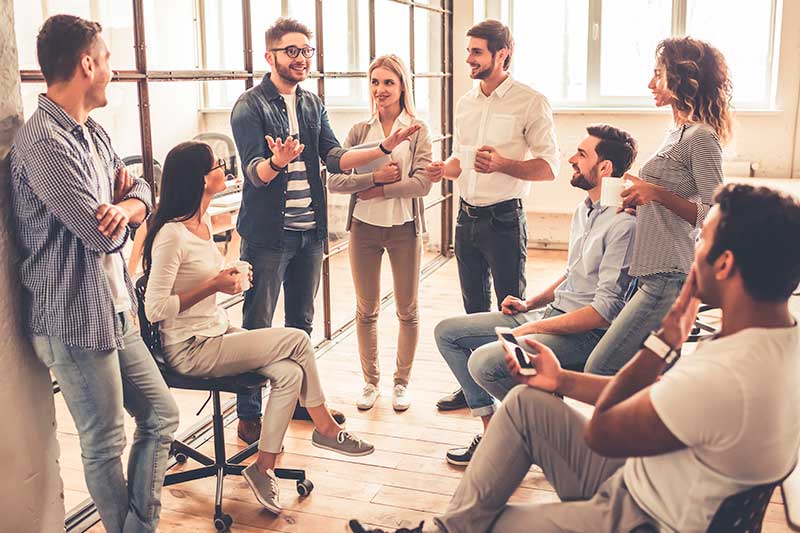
x,y
289,75
482,73
582,182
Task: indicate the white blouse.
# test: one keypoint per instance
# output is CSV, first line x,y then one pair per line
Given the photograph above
x,y
181,261
388,212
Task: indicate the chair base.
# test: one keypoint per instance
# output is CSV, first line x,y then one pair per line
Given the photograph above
x,y
221,466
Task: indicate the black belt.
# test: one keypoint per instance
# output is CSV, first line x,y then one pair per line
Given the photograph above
x,y
494,209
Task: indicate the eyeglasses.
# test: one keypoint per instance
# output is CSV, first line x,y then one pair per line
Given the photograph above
x,y
294,51
221,163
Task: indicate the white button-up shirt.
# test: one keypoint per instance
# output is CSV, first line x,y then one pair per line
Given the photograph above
x,y
518,122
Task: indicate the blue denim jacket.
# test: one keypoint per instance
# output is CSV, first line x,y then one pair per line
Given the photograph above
x,y
261,111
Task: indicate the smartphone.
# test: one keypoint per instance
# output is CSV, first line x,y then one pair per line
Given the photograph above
x,y
510,342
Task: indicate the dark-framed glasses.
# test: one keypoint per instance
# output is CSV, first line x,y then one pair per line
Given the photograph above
x,y
221,163
294,51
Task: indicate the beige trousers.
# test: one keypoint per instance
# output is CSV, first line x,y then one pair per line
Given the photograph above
x,y
404,246
284,355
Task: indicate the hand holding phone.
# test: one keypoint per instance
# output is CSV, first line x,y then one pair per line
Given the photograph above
x,y
511,345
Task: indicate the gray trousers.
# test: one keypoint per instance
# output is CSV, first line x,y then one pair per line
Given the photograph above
x,y
533,427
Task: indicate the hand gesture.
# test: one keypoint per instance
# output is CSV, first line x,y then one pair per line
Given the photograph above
x,y
372,192
512,305
122,185
435,171
639,192
388,173
284,153
548,369
112,220
393,141
229,281
678,324
487,160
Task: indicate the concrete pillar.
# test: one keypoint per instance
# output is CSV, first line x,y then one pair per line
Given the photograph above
x,y
31,495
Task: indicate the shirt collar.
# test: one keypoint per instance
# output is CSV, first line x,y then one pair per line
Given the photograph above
x,y
500,91
592,206
272,93
404,119
61,117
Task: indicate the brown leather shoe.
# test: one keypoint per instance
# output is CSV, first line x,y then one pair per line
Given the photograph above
x,y
249,430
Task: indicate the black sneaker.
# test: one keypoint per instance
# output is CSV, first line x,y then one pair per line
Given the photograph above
x,y
354,526
453,401
301,413
462,456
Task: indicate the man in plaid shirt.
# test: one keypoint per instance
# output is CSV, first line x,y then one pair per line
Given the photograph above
x,y
74,205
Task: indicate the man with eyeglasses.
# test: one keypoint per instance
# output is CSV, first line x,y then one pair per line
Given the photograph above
x,y
282,134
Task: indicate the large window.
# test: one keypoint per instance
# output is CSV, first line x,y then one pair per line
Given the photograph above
x,y
601,52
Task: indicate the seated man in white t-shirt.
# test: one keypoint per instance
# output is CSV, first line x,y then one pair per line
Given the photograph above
x,y
659,453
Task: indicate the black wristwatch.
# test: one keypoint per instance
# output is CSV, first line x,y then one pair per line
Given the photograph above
x,y
275,168
383,149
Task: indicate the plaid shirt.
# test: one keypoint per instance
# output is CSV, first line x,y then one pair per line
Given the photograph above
x,y
55,195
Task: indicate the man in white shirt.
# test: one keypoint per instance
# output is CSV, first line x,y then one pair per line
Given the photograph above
x,y
503,140
660,452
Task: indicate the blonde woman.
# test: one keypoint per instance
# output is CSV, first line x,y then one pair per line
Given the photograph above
x,y
386,214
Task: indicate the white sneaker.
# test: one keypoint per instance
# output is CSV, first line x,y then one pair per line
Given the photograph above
x,y
368,397
400,398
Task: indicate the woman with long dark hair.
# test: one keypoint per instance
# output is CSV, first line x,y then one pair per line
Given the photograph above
x,y
674,191
184,269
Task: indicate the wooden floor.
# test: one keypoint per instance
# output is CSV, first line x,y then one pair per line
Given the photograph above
x,y
406,480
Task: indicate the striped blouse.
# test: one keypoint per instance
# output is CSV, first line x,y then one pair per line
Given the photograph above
x,y
689,164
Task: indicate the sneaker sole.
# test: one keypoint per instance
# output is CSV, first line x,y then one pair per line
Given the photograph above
x,y
337,450
266,505
457,463
400,408
365,407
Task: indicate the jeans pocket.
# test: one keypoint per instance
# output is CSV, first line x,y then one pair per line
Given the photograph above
x,y
506,222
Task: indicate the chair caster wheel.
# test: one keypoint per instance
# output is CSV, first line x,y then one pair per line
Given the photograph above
x,y
181,458
223,523
304,487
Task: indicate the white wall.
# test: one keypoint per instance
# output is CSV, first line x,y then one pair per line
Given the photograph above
x,y
31,497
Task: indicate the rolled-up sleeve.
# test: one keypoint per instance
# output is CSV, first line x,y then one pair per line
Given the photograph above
x,y
706,167
540,133
140,191
613,278
248,134
160,303
62,184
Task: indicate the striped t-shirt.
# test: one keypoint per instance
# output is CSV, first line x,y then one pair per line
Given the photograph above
x,y
689,164
299,211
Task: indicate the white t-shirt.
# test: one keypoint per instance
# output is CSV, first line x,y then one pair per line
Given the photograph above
x,y
735,403
182,261
388,212
113,266
514,119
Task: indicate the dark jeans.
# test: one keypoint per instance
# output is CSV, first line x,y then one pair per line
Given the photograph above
x,y
493,245
296,264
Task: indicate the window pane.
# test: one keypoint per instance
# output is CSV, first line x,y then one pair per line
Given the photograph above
x,y
741,31
391,30
223,35
350,92
631,29
351,54
117,22
427,41
222,94
428,101
551,59
264,15
171,35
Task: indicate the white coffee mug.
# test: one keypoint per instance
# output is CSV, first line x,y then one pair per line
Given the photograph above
x,y
467,159
611,191
244,269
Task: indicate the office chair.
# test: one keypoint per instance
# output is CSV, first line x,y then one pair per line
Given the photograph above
x,y
224,147
135,168
219,466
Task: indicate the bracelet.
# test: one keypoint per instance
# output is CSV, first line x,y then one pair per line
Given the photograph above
x,y
384,150
275,168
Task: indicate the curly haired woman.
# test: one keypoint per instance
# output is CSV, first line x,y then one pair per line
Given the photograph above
x,y
674,192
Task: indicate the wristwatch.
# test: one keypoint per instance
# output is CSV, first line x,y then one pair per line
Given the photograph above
x,y
656,344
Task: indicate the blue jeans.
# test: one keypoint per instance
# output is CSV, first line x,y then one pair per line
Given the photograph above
x,y
642,314
96,385
469,346
295,264
491,247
